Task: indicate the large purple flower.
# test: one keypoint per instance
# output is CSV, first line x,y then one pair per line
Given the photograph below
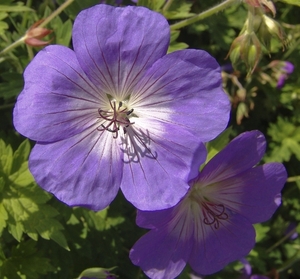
x,y
118,112
212,224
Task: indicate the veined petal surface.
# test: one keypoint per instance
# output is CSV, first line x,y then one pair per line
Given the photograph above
x,y
114,46
239,193
235,158
214,248
84,170
58,100
182,90
156,168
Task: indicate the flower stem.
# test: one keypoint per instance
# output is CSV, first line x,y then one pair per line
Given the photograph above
x,y
281,240
167,6
46,21
56,12
13,45
293,178
6,106
203,15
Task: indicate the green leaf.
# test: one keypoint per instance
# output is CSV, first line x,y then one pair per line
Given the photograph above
x,y
179,9
11,86
23,205
154,5
20,155
96,272
18,9
261,231
6,159
291,2
216,145
3,27
25,260
285,141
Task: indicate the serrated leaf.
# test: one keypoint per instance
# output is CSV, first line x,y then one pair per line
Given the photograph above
x,y
60,239
23,203
154,5
179,9
16,230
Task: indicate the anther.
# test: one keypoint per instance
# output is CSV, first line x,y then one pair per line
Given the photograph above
x,y
213,213
129,112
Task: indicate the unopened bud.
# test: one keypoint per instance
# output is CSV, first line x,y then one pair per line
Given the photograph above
x,y
35,33
247,48
274,28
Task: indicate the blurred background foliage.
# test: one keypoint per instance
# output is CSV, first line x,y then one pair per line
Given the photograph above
x,y
42,238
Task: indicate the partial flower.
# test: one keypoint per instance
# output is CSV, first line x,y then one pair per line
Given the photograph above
x,y
285,69
117,112
280,72
35,33
212,224
247,271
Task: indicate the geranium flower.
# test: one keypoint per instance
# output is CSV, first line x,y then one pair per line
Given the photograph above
x,y
117,112
212,224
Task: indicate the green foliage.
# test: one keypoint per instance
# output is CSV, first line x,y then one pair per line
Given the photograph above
x,y
23,204
25,261
291,2
154,5
285,140
96,272
32,222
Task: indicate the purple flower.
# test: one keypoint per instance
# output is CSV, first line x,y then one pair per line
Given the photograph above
x,y
117,112
286,68
247,271
281,71
212,224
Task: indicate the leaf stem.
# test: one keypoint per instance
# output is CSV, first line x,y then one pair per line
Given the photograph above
x,y
293,178
13,45
281,240
167,6
56,12
203,15
46,21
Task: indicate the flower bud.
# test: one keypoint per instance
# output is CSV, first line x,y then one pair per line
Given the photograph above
x,y
274,28
35,33
247,48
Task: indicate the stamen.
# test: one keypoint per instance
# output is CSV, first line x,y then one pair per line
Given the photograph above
x,y
115,117
129,112
213,213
